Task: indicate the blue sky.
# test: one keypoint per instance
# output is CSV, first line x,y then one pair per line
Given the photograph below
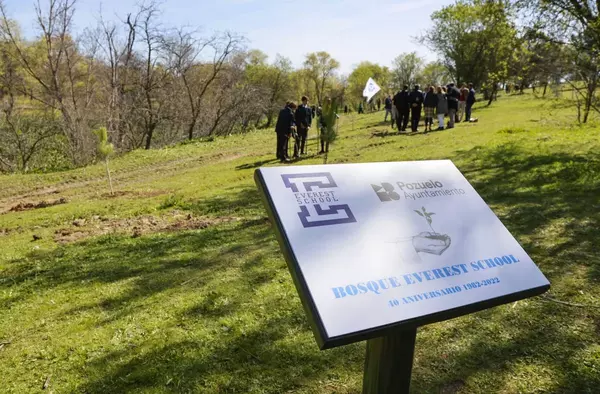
x,y
351,30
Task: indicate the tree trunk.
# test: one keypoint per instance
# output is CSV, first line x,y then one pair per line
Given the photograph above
x,y
149,138
588,103
545,86
191,128
491,98
269,120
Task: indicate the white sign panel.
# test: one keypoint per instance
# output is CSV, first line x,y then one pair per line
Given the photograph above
x,y
371,246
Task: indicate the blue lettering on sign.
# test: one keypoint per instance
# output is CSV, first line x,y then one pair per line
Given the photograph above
x,y
379,286
313,214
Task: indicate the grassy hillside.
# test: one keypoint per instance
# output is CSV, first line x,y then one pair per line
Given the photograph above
x,y
176,284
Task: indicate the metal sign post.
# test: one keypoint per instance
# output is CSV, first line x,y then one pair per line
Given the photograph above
x,y
389,361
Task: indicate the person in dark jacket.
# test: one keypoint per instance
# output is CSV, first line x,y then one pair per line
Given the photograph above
x,y
401,102
416,104
453,94
284,127
430,104
303,118
470,102
388,107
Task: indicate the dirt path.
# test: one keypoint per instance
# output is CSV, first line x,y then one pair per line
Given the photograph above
x,y
137,226
122,178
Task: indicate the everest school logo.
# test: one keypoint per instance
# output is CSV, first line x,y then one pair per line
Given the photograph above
x,y
318,200
386,192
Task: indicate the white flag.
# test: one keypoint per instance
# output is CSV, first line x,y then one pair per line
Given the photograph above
x,y
371,89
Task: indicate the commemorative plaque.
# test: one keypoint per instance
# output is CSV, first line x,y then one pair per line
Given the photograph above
x,y
377,249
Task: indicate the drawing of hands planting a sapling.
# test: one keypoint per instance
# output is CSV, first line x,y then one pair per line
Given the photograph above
x,y
430,241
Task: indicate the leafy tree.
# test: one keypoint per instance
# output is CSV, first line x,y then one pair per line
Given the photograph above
x,y
320,67
434,73
475,40
406,70
302,84
538,61
272,81
339,90
575,26
360,75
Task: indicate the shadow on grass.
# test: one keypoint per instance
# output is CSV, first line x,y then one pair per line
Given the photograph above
x,y
549,202
386,133
261,360
151,263
408,133
256,164
536,336
233,201
305,157
541,191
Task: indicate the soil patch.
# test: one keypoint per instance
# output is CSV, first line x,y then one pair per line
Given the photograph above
x,y
453,387
137,226
143,194
26,206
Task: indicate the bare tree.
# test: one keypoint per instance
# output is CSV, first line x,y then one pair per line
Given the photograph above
x,y
57,75
22,136
185,53
118,56
278,82
151,76
132,78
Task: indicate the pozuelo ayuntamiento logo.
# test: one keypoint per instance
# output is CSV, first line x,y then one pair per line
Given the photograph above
x,y
318,199
414,190
385,192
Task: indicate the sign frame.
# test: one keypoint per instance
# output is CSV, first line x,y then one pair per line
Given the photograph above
x,y
326,342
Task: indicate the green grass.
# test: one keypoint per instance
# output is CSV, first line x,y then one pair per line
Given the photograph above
x,y
213,309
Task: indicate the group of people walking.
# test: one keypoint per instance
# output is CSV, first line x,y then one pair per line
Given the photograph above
x,y
406,106
294,122
437,102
